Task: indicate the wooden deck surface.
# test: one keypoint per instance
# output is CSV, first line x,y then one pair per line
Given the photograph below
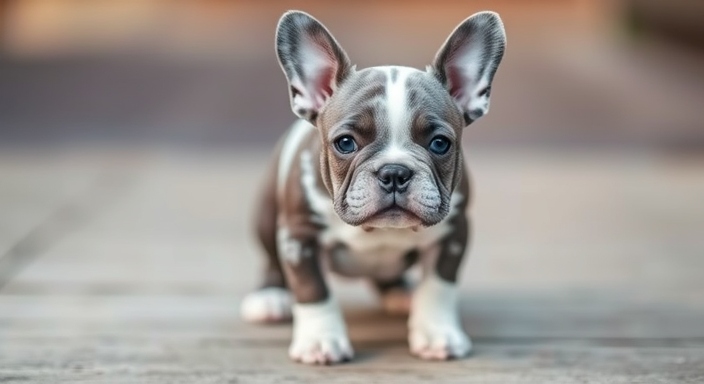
x,y
127,266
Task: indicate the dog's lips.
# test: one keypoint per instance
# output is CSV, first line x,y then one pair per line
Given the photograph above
x,y
393,218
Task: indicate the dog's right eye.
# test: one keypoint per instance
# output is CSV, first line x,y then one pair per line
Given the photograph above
x,y
345,144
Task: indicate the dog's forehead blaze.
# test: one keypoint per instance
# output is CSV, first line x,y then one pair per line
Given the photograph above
x,y
390,98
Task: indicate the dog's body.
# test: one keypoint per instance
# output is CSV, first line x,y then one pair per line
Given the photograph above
x,y
370,182
382,254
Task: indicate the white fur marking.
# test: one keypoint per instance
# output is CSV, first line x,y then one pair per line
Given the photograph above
x,y
289,249
394,152
293,141
396,102
398,113
319,334
435,330
319,202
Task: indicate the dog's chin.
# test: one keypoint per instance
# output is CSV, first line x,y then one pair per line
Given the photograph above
x,y
393,217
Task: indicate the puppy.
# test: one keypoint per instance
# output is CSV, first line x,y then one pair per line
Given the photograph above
x,y
370,181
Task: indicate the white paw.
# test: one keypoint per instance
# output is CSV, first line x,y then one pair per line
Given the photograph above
x,y
321,349
396,302
319,335
267,305
435,330
433,341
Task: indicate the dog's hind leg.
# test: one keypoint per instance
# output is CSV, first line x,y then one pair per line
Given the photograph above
x,y
272,301
395,294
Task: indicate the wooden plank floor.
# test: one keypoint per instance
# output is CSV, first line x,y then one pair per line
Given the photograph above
x,y
127,266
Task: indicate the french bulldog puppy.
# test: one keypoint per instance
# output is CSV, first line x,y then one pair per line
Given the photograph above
x,y
370,181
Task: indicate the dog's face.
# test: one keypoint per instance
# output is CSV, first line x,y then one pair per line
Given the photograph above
x,y
391,153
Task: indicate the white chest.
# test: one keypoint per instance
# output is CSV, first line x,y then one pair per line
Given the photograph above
x,y
379,253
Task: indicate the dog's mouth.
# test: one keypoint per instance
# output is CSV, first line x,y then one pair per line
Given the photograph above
x,y
394,212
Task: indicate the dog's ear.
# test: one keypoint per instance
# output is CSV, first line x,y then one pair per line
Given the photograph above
x,y
468,60
312,60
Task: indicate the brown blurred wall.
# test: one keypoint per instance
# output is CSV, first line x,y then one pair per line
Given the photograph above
x,y
205,72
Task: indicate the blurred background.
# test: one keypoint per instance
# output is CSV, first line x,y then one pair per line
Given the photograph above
x,y
134,135
204,72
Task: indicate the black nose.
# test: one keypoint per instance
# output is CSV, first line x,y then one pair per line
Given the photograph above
x,y
394,178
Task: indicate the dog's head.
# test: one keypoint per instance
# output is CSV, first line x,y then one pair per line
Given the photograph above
x,y
391,153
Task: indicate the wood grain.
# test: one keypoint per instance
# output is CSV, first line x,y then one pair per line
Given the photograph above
x,y
586,268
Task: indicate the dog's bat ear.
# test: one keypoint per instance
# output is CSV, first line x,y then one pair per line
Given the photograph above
x,y
314,63
468,60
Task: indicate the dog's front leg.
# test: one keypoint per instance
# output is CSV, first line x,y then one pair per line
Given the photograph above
x,y
435,329
319,331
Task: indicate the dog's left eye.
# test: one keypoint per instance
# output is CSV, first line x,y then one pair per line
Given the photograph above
x,y
439,145
345,144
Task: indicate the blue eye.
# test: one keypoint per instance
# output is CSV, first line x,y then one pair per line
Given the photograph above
x,y
345,144
439,145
